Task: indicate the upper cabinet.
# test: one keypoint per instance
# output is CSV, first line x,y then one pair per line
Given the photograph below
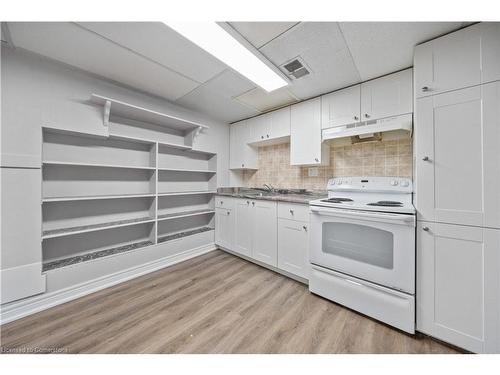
x,y
306,147
341,107
465,58
383,97
387,96
457,156
241,155
270,128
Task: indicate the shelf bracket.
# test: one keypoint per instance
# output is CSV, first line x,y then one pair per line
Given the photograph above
x,y
107,111
197,131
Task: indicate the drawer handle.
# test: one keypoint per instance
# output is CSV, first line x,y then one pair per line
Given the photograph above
x,y
353,282
425,229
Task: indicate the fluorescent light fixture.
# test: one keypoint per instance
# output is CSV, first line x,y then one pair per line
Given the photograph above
x,y
219,43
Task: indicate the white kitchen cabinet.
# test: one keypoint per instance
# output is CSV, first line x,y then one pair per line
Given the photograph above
x,y
387,96
271,128
306,147
458,287
224,228
265,236
243,227
457,152
21,228
293,247
341,107
465,58
241,155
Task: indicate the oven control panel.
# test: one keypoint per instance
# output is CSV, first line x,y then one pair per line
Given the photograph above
x,y
389,184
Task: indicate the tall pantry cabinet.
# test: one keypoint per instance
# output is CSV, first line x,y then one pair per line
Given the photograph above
x,y
457,187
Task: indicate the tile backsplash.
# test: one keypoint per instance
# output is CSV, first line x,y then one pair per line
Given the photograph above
x,y
383,158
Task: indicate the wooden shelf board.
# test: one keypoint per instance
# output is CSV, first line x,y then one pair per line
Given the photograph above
x,y
94,227
179,215
186,170
186,233
147,141
141,114
186,193
95,197
51,265
77,164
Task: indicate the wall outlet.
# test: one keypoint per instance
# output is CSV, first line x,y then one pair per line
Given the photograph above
x,y
313,172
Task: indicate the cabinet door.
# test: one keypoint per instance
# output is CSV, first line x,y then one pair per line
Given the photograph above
x,y
341,107
293,247
279,122
387,96
265,237
224,228
457,156
305,134
259,127
241,155
457,285
461,59
243,227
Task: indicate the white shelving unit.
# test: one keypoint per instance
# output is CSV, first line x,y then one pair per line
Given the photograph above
x,y
110,196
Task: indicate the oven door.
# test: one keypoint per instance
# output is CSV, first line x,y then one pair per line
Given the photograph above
x,y
374,246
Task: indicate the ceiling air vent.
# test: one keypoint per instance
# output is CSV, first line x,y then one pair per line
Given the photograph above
x,y
295,68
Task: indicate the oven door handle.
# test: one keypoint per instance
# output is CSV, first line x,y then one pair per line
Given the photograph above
x,y
407,219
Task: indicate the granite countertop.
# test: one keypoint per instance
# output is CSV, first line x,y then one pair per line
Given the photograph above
x,y
248,193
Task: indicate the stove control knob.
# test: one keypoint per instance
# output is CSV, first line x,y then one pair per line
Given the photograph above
x,y
394,182
404,183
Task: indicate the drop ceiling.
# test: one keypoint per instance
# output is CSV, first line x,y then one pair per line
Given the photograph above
x,y
153,58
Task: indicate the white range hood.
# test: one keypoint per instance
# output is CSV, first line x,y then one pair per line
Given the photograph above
x,y
368,129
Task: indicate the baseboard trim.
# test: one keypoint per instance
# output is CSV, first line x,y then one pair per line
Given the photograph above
x,y
275,269
20,309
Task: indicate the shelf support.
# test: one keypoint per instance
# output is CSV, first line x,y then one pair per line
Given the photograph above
x,y
107,111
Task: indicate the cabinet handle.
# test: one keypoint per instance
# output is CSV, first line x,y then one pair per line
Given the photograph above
x,y
317,160
425,229
367,115
356,118
253,203
242,165
229,212
261,137
425,89
305,228
268,136
291,211
425,158
248,202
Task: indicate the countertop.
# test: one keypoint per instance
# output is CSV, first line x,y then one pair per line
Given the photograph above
x,y
277,197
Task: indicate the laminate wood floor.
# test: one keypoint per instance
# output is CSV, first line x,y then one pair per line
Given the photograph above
x,y
214,303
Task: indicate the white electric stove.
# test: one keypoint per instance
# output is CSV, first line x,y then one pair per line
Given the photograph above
x,y
362,247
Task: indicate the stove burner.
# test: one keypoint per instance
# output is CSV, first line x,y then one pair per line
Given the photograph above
x,y
386,204
337,200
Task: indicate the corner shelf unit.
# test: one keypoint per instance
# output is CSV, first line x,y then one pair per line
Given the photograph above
x,y
108,196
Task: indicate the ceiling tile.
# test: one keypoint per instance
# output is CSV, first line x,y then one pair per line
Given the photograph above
x,y
76,46
264,101
322,47
215,97
380,48
259,33
160,43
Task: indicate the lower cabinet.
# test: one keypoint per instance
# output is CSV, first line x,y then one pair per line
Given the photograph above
x,y
293,247
458,285
224,228
265,236
271,233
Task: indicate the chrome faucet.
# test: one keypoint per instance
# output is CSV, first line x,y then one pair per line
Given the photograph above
x,y
269,187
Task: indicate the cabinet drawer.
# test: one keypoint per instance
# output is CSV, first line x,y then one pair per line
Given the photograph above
x,y
293,211
224,202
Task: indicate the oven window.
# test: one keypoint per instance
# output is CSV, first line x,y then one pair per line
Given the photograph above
x,y
359,242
